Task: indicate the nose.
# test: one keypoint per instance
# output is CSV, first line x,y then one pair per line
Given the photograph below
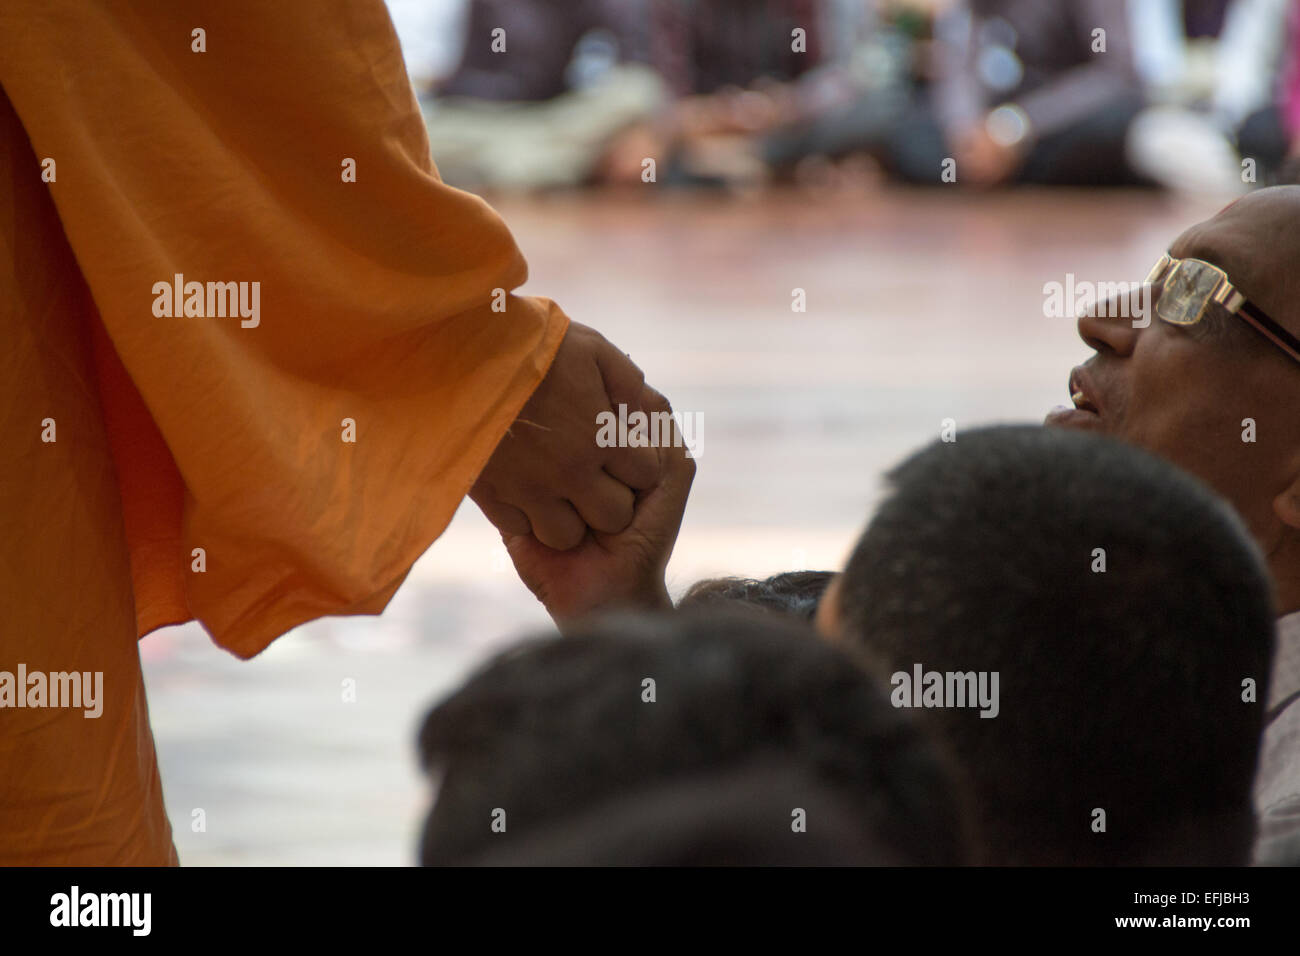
x,y
1106,331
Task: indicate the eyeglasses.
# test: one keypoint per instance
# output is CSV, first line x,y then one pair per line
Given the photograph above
x,y
1190,285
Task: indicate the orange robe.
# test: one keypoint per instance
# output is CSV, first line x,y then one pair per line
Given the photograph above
x,y
130,439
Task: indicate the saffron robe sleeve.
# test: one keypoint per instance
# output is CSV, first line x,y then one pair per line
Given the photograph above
x,y
294,459
156,468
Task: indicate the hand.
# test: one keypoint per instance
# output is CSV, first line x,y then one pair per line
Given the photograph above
x,y
982,161
620,162
548,477
618,570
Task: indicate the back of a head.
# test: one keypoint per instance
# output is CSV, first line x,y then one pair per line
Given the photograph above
x,y
561,742
733,817
1122,606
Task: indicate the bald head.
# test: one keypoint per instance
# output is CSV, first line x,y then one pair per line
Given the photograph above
x,y
1256,241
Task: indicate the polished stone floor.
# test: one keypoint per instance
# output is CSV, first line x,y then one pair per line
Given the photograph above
x,y
920,306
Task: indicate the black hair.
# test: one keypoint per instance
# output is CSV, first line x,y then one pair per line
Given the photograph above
x,y
794,592
732,817
1123,606
557,731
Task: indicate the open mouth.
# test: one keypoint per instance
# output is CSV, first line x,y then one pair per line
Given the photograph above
x,y
1082,404
1085,413
1080,393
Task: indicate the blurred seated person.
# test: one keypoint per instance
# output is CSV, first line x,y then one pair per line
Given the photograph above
x,y
543,89
716,818
738,70
1025,92
1212,70
586,92
687,739
860,111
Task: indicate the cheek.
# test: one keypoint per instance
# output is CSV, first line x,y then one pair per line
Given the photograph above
x,y
1200,431
1176,408
1158,398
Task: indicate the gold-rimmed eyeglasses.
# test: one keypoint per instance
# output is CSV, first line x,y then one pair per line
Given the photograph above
x,y
1190,285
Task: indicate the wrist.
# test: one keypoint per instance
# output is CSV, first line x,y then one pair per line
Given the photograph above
x,y
656,597
651,597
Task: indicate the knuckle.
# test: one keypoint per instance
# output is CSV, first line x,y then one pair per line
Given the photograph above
x,y
656,400
613,511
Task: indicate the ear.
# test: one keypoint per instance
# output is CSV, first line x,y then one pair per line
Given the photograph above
x,y
1287,505
827,619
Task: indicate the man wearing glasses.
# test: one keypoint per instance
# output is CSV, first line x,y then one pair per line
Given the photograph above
x,y
1214,386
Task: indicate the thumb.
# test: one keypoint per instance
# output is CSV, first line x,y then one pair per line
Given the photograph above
x,y
660,510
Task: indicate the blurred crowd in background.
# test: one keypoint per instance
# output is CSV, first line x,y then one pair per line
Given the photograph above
x,y
1192,95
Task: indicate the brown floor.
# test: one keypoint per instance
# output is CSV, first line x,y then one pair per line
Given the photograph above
x,y
920,306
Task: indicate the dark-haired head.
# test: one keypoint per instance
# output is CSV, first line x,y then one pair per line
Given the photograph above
x,y
1127,614
753,815
578,736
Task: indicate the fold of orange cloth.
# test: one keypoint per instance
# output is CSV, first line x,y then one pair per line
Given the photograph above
x,y
265,333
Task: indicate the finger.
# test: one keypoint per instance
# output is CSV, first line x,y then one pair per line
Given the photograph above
x,y
659,512
653,400
507,518
680,474
637,468
623,380
607,506
644,471
557,524
662,508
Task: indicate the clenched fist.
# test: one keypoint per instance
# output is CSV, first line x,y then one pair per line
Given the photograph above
x,y
624,570
548,477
